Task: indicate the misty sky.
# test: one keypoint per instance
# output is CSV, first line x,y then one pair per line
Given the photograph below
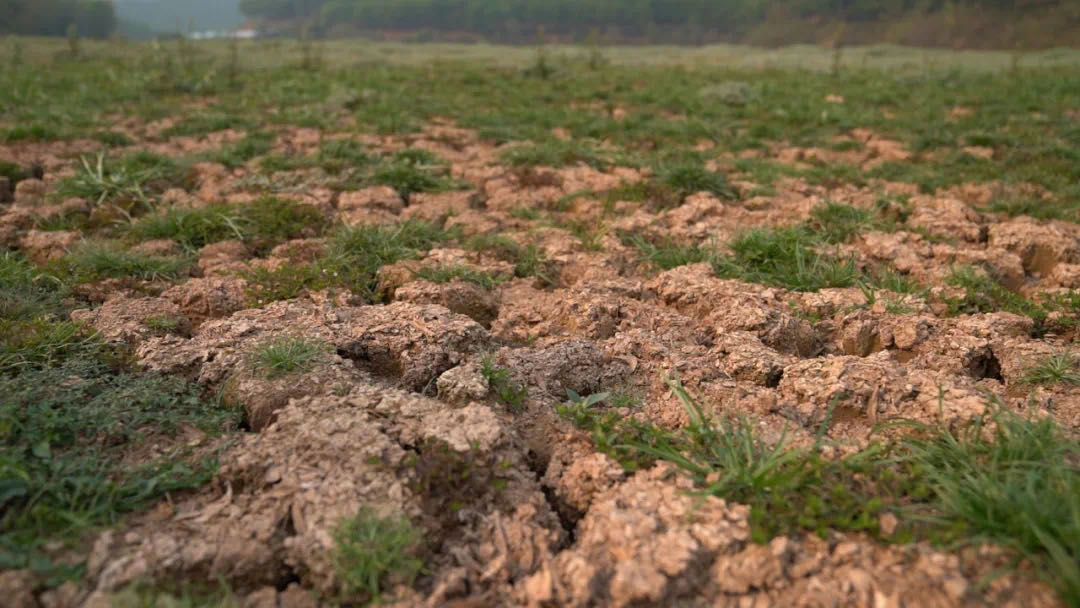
x,y
170,15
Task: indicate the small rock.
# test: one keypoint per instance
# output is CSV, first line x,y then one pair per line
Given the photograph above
x,y
955,587
30,192
68,595
462,384
266,597
296,597
18,586
888,523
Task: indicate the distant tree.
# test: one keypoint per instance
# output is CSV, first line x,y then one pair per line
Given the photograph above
x,y
518,18
94,18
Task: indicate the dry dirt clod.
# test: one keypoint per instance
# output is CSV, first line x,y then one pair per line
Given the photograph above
x,y
134,320
462,384
279,494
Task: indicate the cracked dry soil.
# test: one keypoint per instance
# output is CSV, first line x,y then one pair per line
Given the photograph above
x,y
551,521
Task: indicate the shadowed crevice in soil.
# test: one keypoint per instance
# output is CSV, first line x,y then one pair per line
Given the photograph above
x,y
773,379
373,359
986,367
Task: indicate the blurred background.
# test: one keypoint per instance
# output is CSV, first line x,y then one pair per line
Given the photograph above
x,y
955,24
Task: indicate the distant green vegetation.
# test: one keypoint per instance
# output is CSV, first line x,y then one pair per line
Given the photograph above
x,y
658,20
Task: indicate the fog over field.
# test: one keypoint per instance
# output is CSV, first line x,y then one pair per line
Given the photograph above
x,y
174,15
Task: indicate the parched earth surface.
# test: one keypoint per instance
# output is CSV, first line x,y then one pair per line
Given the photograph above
x,y
549,520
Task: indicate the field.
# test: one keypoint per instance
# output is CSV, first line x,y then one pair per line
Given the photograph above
x,y
298,324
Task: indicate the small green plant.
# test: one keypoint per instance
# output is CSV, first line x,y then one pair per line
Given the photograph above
x,y
413,170
94,261
373,553
255,144
352,261
589,232
287,355
36,342
984,293
27,293
528,260
1061,368
837,223
509,392
232,66
262,224
63,446
658,196
162,324
557,153
541,66
445,274
666,252
597,59
785,257
187,596
689,178
74,41
1009,480
310,53
99,182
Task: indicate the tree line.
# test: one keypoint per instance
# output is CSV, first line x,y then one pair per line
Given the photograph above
x,y
633,18
91,18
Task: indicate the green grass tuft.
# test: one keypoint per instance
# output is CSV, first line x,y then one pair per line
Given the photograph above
x,y
375,553
202,124
233,156
1009,480
1062,368
528,260
446,274
31,343
837,223
167,596
60,470
785,257
262,223
1014,205
687,179
666,252
556,154
26,293
983,293
130,182
509,392
287,355
162,324
92,261
413,170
